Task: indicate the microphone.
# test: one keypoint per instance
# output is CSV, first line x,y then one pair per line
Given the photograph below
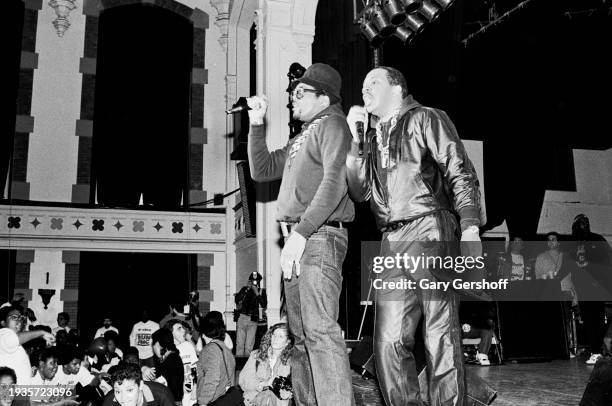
x,y
359,126
237,109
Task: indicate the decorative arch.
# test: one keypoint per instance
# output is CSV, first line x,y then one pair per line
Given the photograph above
x,y
87,67
303,13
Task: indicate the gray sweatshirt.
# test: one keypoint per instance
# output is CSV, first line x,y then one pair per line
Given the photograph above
x,y
314,188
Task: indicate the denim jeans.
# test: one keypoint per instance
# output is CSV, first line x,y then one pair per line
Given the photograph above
x,y
245,335
319,367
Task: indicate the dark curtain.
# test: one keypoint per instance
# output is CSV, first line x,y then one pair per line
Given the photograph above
x,y
124,284
141,118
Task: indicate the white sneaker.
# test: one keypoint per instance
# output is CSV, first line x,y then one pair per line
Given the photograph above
x,y
593,359
483,359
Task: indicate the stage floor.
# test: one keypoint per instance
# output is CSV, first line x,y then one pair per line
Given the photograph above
x,y
556,383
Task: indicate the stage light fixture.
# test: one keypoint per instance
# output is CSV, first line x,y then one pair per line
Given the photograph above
x,y
372,34
410,6
404,33
415,23
394,11
382,23
429,10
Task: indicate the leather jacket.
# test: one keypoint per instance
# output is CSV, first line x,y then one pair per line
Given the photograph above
x,y
428,171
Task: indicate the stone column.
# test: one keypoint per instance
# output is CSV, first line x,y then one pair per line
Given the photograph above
x,y
284,35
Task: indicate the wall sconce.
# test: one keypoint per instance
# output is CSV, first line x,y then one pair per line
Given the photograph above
x,y
62,10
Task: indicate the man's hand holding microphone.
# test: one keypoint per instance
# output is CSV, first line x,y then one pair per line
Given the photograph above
x,y
357,118
257,108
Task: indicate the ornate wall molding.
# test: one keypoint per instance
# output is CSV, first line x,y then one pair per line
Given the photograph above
x,y
110,229
222,20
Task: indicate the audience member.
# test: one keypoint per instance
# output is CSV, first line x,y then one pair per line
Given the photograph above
x,y
168,366
107,325
113,354
63,319
130,390
188,356
7,379
227,340
71,371
12,353
140,337
131,356
216,365
46,373
260,377
597,249
591,293
477,321
248,300
513,265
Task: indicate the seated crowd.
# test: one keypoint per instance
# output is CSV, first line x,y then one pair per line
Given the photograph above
x,y
179,366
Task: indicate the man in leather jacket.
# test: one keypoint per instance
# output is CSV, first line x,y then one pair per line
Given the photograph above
x,y
419,180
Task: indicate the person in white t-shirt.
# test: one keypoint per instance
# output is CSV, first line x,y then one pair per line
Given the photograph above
x,y
189,357
12,354
47,376
71,372
63,319
140,337
107,325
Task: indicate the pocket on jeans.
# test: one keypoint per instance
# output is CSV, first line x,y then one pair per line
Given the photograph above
x,y
313,251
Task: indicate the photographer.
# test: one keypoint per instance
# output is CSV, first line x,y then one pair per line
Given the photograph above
x,y
248,301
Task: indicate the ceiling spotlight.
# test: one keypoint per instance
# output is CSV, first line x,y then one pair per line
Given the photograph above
x,y
394,11
410,6
372,34
404,34
382,23
415,23
445,3
429,10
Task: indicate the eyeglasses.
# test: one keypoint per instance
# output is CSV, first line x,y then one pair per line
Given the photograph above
x,y
299,92
16,317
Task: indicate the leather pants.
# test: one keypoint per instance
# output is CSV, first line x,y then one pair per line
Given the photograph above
x,y
398,312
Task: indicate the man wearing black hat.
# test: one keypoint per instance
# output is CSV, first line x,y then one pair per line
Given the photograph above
x,y
313,207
